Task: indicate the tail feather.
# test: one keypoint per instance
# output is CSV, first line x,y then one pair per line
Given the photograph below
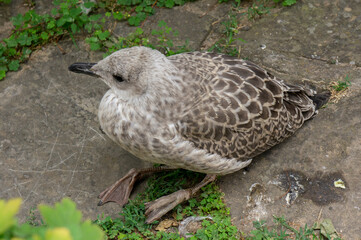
x,y
320,99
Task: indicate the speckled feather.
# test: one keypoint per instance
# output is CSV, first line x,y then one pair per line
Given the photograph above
x,y
204,112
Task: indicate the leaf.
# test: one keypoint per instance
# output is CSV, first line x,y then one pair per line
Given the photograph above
x,y
24,39
289,2
11,41
26,52
103,35
58,234
8,209
44,36
137,19
74,27
50,25
89,4
139,9
117,15
91,231
74,12
94,17
94,46
14,65
169,3
18,20
60,22
88,27
54,11
65,215
2,76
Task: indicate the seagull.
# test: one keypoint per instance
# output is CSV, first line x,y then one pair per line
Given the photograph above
x,y
200,111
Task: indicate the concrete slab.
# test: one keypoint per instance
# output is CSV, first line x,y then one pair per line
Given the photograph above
x,y
51,147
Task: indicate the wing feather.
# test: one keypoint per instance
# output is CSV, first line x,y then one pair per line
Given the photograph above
x,y
241,109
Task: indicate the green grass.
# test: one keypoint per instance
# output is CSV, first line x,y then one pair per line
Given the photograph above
x,y
227,44
282,230
131,223
32,30
342,85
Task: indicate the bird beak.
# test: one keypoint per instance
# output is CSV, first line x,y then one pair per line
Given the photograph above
x,y
83,68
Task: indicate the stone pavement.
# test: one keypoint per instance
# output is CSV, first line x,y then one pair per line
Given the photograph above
x,y
51,147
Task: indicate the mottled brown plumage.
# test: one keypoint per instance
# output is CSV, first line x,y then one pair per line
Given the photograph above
x,y
204,112
240,109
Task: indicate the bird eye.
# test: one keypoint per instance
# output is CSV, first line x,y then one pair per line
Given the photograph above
x,y
118,78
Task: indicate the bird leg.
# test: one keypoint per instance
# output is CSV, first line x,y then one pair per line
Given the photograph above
x,y
157,208
120,191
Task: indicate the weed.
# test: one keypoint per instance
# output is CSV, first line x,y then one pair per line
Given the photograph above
x,y
5,1
282,230
105,41
286,3
164,41
342,85
32,30
227,44
209,202
32,219
136,11
258,9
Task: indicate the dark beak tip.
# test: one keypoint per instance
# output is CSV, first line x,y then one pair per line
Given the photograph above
x,y
72,67
83,68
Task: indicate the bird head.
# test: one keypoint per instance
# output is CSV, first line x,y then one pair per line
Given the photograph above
x,y
130,72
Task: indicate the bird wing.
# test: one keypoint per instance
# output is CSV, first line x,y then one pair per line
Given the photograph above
x,y
238,109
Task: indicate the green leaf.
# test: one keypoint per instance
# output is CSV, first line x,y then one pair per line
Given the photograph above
x,y
88,27
2,76
94,46
139,9
74,27
60,22
44,36
169,3
74,12
137,19
54,11
65,215
11,52
89,4
11,41
103,35
94,17
24,39
51,25
26,51
18,20
14,65
8,209
289,2
118,15
149,9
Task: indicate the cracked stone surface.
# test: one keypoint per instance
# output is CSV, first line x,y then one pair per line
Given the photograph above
x,y
51,146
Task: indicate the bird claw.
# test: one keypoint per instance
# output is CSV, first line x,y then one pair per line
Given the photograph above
x,y
120,191
159,207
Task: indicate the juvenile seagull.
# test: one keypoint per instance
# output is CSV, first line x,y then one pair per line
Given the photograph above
x,y
204,112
